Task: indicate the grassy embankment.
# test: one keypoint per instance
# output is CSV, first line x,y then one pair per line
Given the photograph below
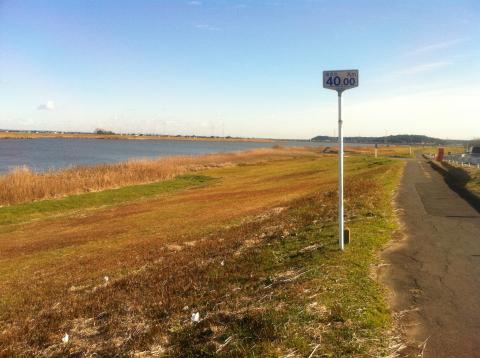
x,y
463,177
251,247
23,185
469,177
466,178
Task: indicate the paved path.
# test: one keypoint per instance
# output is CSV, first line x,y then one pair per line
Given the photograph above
x,y
433,271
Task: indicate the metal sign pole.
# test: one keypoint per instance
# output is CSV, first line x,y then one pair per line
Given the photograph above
x,y
340,81
340,174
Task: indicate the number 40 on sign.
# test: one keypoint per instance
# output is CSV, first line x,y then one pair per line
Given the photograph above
x,y
340,80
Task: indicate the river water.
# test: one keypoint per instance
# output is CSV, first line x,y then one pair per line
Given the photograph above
x,y
54,153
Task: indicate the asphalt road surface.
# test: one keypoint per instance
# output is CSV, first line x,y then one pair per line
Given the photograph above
x,y
433,268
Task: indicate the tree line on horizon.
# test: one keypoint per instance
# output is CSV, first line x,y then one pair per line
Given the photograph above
x,y
394,139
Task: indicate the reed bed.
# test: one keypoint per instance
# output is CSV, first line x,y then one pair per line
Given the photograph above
x,y
24,185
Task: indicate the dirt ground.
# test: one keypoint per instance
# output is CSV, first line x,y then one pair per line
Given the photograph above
x,y
432,269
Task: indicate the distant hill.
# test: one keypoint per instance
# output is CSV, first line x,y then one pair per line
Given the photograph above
x,y
392,139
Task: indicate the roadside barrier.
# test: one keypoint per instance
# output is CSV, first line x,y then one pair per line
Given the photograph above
x,y
463,160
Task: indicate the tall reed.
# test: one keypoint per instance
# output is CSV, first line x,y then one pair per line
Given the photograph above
x,y
23,185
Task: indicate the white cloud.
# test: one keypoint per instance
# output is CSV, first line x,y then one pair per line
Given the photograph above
x,y
48,106
424,67
195,3
436,46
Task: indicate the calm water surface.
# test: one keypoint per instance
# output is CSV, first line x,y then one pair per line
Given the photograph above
x,y
53,153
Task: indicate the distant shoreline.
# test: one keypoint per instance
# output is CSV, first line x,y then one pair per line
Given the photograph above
x,y
35,135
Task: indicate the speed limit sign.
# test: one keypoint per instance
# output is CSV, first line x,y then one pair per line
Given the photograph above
x,y
340,81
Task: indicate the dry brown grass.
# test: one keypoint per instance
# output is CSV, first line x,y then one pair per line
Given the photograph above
x,y
402,151
395,151
164,261
24,185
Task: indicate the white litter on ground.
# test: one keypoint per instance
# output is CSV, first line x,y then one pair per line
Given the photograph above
x,y
195,317
65,338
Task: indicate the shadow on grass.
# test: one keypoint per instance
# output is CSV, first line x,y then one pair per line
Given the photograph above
x,y
457,180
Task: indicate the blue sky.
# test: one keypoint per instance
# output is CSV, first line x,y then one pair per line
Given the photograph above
x,y
243,68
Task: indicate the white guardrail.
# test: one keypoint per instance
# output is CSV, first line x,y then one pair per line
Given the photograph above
x,y
469,160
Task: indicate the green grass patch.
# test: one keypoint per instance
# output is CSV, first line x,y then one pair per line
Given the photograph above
x,y
44,208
